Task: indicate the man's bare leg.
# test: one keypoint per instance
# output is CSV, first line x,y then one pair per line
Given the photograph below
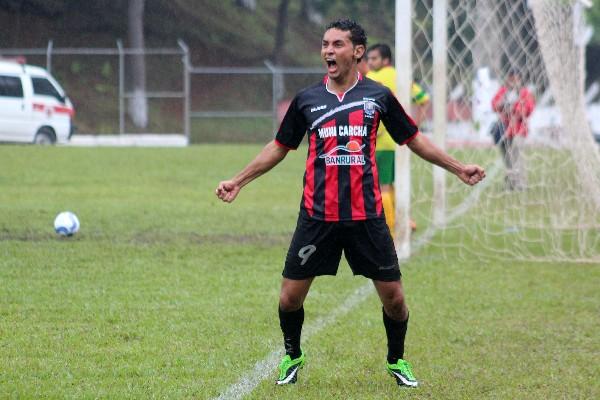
x,y
389,209
292,294
388,198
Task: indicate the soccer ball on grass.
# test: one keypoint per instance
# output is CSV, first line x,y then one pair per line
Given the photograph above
x,y
66,223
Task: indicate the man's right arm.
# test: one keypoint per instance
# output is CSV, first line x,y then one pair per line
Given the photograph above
x,y
269,157
498,100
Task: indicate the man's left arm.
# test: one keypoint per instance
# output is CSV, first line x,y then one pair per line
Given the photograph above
x,y
525,105
404,131
470,174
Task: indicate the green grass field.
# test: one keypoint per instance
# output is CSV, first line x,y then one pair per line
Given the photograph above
x,y
168,293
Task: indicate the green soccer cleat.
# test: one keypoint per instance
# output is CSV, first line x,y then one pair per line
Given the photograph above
x,y
288,369
402,371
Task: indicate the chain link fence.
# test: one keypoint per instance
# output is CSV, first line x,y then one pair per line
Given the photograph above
x,y
203,104
243,104
98,82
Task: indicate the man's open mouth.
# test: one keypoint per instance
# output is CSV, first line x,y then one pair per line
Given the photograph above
x,y
331,66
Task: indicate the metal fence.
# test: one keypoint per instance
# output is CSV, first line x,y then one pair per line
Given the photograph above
x,y
206,104
278,77
89,77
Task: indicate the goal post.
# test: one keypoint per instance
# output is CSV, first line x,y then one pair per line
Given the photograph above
x,y
462,52
402,181
440,42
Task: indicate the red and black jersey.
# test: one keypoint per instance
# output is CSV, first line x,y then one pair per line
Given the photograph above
x,y
341,181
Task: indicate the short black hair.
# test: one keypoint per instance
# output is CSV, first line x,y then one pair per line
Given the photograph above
x,y
358,35
383,49
514,72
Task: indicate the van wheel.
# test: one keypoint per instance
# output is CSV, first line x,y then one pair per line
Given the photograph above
x,y
44,137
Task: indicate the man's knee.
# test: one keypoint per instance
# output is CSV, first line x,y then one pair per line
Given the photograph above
x,y
290,302
395,305
293,293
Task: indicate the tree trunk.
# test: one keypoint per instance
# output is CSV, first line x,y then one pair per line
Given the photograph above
x,y
248,4
309,13
305,9
138,104
279,49
282,20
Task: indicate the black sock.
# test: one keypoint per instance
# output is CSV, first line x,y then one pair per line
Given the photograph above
x,y
396,333
291,326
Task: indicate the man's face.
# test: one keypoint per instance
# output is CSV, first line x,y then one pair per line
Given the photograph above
x,y
375,60
363,68
513,81
339,54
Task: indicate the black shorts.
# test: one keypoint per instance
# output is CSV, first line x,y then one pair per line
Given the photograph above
x,y
316,249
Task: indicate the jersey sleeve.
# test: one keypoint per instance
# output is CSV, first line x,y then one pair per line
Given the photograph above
x,y
293,127
400,126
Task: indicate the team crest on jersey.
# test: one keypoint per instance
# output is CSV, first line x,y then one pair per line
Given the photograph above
x,y
369,107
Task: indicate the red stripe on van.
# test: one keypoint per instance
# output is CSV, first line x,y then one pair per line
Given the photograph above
x,y
57,109
64,110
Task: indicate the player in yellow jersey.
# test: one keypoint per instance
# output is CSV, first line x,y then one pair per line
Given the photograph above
x,y
379,59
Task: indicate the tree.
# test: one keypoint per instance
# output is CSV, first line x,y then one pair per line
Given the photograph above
x,y
46,8
279,48
248,4
138,104
282,22
593,18
309,13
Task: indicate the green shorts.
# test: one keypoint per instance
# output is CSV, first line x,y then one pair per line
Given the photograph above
x,y
385,166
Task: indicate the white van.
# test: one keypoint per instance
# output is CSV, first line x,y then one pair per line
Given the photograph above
x,y
33,106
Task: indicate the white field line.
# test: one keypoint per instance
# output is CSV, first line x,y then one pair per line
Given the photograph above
x,y
266,367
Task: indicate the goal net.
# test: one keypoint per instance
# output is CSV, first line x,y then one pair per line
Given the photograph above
x,y
545,203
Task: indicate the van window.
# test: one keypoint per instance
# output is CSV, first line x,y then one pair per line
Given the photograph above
x,y
44,87
10,86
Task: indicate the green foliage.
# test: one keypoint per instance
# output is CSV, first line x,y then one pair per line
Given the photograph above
x,y
168,293
219,33
101,88
593,18
75,67
49,8
106,70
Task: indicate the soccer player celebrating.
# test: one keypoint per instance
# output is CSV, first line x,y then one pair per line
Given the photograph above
x,y
341,207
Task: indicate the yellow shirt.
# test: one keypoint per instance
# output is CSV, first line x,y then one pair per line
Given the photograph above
x,y
387,77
